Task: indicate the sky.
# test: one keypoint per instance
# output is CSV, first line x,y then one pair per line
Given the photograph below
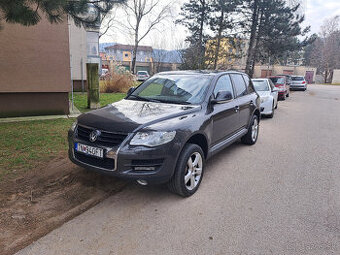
x,y
318,10
171,36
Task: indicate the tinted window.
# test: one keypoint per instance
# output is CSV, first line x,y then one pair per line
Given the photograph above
x,y
223,84
239,85
277,80
299,78
261,85
248,84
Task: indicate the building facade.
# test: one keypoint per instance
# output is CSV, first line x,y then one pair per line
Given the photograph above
x,y
34,69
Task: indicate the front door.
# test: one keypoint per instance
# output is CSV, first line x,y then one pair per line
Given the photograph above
x,y
225,114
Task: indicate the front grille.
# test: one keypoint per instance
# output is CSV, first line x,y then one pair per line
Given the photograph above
x,y
107,139
105,163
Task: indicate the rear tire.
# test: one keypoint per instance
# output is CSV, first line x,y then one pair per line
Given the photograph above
x,y
253,132
188,173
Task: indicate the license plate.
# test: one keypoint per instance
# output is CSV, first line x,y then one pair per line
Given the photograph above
x,y
89,150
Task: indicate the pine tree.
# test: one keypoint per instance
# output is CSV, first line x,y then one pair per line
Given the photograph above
x,y
222,23
195,18
274,27
28,12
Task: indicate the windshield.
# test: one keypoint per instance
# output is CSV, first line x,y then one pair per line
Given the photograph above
x,y
277,80
300,78
181,89
260,85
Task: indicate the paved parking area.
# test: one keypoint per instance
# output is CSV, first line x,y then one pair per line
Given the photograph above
x,y
281,196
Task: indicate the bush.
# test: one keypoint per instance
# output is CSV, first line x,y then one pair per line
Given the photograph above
x,y
118,80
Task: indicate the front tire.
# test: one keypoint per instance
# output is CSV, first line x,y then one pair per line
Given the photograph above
x,y
189,171
253,132
273,110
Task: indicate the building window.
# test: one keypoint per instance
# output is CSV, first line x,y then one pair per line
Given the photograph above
x,y
126,55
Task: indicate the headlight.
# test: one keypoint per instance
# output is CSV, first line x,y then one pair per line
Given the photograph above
x,y
74,125
152,139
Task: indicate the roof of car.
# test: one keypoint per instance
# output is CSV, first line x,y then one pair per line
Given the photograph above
x,y
199,72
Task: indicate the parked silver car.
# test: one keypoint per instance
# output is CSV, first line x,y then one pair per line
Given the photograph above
x,y
298,82
142,75
268,94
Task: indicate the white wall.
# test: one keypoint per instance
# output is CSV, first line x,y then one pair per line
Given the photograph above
x,y
336,77
78,52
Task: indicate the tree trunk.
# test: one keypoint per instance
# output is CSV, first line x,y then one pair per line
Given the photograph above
x,y
253,30
134,52
219,40
93,86
201,49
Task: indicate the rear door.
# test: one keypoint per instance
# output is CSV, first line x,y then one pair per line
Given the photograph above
x,y
225,114
243,98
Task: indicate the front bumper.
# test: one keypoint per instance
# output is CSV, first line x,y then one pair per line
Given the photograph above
x,y
155,165
267,107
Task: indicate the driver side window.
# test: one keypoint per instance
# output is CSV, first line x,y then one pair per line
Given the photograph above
x,y
223,84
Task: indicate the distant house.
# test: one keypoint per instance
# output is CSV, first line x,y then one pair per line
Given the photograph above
x,y
147,59
231,53
121,52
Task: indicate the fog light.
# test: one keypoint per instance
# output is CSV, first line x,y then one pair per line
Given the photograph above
x,y
144,168
111,154
142,182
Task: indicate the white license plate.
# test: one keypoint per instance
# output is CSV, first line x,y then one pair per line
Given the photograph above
x,y
89,150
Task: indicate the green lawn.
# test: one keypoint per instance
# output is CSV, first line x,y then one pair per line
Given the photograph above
x,y
80,99
24,145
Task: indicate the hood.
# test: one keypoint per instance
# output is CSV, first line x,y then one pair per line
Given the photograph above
x,y
263,93
127,116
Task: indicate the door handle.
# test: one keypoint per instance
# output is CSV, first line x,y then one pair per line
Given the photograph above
x,y
237,108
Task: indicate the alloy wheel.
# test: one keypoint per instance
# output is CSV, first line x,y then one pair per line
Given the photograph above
x,y
193,173
254,129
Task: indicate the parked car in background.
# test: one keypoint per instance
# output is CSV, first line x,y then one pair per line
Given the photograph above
x,y
288,77
268,94
166,128
142,75
280,82
298,83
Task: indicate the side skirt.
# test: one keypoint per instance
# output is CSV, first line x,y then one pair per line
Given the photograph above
x,y
220,146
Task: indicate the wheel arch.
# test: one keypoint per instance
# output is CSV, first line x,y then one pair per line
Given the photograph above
x,y
201,140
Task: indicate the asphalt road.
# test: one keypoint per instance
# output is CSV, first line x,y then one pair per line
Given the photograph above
x,y
281,196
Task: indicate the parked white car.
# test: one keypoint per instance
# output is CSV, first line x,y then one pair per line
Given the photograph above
x,y
298,82
268,94
142,75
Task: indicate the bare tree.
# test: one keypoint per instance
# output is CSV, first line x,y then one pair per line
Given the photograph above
x,y
143,16
108,22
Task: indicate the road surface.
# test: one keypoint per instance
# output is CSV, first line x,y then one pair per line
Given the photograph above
x,y
281,196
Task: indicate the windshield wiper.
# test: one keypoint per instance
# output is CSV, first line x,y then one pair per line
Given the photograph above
x,y
144,98
175,102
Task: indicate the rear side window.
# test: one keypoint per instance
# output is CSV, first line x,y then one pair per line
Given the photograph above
x,y
249,84
223,84
239,85
277,80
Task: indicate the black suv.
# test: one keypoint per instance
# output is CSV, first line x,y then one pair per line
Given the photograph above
x,y
166,128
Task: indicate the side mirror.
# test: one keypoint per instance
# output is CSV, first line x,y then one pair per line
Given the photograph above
x,y
222,96
275,89
130,90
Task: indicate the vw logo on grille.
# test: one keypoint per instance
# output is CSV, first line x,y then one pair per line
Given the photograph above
x,y
94,135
